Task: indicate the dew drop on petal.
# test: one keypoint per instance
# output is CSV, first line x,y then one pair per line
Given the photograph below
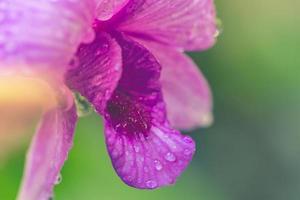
x,y
187,139
58,180
158,165
151,184
187,152
219,29
136,148
170,157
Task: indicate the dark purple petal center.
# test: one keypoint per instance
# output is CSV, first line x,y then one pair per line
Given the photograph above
x,y
128,115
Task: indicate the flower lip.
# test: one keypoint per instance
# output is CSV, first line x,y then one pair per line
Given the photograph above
x,y
147,153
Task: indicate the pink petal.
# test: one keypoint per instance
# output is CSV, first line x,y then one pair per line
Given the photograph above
x,y
145,151
47,154
97,71
106,9
186,91
42,35
184,24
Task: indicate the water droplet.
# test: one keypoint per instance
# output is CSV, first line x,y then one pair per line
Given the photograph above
x,y
187,139
219,28
158,165
58,180
136,148
151,184
170,157
187,152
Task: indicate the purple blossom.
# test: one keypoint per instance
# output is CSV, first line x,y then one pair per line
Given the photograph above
x,y
130,66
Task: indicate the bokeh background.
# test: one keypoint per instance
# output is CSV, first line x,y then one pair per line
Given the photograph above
x,y
253,149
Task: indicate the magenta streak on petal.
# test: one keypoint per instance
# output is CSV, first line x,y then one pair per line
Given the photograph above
x,y
186,92
182,24
47,154
97,70
145,151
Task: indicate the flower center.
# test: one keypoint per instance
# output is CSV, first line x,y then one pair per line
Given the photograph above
x,y
128,115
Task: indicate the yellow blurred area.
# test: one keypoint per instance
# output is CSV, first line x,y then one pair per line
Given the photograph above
x,y
25,91
22,100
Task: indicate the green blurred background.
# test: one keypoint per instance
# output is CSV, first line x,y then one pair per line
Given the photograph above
x,y
253,149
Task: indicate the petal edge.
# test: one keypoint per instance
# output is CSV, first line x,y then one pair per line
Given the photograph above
x,y
186,91
98,70
184,24
48,152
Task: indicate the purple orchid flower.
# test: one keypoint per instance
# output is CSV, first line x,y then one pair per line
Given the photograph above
x,y
130,66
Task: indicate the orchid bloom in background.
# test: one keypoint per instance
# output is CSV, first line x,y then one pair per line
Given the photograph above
x,y
126,58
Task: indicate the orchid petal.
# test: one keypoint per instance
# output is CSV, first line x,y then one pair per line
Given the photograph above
x,y
42,35
183,24
98,70
106,9
145,151
47,154
186,91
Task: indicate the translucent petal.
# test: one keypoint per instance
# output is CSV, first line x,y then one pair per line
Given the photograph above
x,y
48,152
